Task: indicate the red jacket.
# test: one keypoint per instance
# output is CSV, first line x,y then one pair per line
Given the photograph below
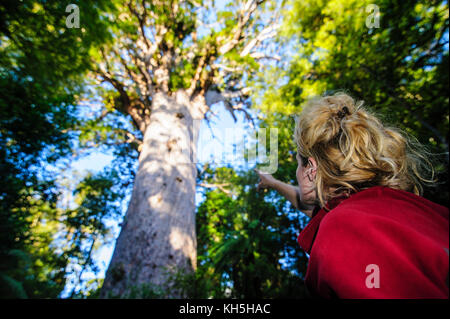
x,y
378,243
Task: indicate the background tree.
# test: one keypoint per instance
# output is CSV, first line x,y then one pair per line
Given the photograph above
x,y
41,70
247,239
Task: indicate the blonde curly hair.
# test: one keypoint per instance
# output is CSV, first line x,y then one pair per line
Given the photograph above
x,y
355,151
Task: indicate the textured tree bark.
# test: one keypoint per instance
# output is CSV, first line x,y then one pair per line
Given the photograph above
x,y
159,228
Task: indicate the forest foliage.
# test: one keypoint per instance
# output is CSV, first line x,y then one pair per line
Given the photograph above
x,y
246,240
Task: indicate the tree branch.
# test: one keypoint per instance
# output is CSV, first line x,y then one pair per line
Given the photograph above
x,y
219,186
127,107
266,33
213,96
243,18
142,19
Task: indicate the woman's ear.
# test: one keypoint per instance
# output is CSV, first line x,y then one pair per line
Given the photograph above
x,y
311,169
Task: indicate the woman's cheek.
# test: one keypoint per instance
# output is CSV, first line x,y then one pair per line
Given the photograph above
x,y
298,173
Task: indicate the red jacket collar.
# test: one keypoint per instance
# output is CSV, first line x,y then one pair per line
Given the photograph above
x,y
308,234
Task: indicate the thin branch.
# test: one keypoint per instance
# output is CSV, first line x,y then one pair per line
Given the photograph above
x,y
265,34
260,56
198,71
243,18
141,20
219,186
138,121
85,264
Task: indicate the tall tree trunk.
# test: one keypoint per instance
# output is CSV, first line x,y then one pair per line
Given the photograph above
x,y
158,232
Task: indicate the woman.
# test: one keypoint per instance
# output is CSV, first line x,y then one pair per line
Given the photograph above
x,y
371,234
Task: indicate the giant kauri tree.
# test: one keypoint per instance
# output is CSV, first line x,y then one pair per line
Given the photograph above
x,y
170,61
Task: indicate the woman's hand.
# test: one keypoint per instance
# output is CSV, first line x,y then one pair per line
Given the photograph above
x,y
266,180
